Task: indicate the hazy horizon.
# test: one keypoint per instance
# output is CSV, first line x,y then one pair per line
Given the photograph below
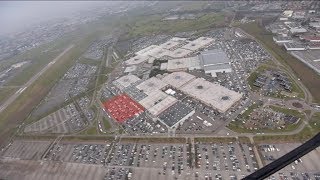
x,y
18,15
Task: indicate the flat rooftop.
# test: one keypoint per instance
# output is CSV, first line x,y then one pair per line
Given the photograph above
x,y
145,50
179,53
135,93
211,94
178,79
126,81
169,44
157,101
122,107
198,43
213,57
174,114
183,63
151,85
138,59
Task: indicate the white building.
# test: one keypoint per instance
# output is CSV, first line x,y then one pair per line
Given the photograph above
x,y
214,61
281,39
298,30
294,47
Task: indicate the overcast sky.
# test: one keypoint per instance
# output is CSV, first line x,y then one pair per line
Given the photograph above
x,y
16,15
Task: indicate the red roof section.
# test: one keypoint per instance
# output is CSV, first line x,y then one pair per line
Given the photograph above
x,y
310,38
122,107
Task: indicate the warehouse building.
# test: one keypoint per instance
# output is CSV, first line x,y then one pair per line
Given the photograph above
x,y
312,39
130,69
176,115
214,95
138,59
294,47
126,81
298,30
281,39
214,61
178,79
122,108
179,53
151,85
183,64
199,43
157,101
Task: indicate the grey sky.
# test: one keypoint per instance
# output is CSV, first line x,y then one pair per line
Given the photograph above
x,y
15,15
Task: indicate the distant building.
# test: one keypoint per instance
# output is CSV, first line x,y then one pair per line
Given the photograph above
x,y
287,13
298,30
294,47
310,38
214,61
282,39
299,14
315,25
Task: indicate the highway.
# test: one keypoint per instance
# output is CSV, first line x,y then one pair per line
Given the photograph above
x,y
31,81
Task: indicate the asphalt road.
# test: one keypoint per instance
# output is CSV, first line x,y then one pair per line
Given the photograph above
x,y
31,81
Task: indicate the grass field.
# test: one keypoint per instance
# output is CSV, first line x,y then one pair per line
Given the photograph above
x,y
253,76
215,139
106,124
315,122
24,104
154,140
302,136
237,126
155,24
309,77
5,93
287,111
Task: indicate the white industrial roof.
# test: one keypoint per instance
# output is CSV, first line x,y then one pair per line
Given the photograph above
x,y
145,50
162,105
178,39
178,79
212,94
153,98
169,44
214,57
198,43
179,53
151,84
126,81
183,63
137,59
157,101
130,69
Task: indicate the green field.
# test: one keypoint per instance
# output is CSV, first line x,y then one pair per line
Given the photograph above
x,y
106,123
302,136
315,122
32,96
287,111
253,76
309,77
5,93
155,24
237,126
215,139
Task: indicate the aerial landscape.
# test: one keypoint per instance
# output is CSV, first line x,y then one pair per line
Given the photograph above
x,y
140,90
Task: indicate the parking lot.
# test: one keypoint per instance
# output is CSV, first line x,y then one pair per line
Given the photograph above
x,y
65,120
226,157
306,167
125,160
26,150
87,153
144,124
